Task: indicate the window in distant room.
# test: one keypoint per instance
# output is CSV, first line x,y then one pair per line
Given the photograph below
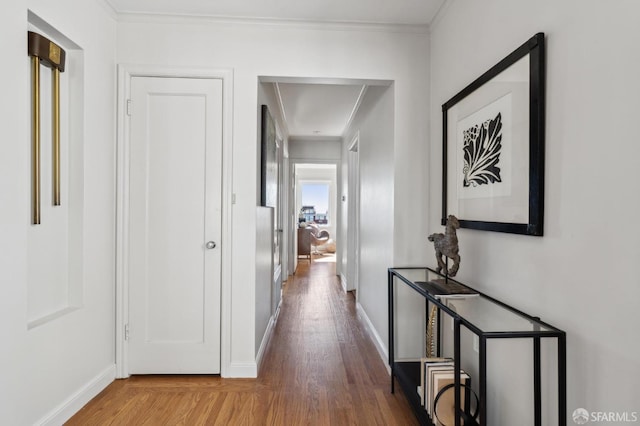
x,y
315,202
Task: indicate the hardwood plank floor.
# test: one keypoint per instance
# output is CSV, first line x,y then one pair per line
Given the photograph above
x,y
320,368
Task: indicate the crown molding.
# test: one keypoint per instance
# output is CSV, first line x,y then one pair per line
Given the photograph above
x,y
108,7
440,13
140,17
283,113
355,109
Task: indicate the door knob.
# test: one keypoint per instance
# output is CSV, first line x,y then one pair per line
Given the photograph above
x,y
210,245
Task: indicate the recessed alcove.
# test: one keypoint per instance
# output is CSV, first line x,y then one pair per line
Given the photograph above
x,y
55,246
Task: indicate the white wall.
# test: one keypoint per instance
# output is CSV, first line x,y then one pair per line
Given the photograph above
x,y
285,50
264,272
581,275
375,122
267,96
51,370
268,302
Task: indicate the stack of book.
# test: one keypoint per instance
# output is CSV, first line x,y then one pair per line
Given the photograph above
x,y
435,374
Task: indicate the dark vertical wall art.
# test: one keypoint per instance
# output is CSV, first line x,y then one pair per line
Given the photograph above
x,y
269,197
270,176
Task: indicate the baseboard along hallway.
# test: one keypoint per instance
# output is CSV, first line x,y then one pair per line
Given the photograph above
x,y
320,368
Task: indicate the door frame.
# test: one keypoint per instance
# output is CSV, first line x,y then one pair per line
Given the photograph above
x,y
293,213
353,213
125,73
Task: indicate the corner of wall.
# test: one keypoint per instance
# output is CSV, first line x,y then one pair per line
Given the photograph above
x,y
375,337
75,402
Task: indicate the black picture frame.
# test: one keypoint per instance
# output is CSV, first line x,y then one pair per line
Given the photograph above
x,y
269,160
493,170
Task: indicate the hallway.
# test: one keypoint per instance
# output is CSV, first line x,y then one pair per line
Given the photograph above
x,y
320,368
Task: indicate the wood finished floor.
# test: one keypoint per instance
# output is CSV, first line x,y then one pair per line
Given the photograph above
x,y
320,368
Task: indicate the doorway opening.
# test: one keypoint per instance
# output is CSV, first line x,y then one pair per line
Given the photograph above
x,y
349,123
352,253
319,119
316,201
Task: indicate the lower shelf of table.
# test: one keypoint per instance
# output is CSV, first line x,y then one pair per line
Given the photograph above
x,y
407,375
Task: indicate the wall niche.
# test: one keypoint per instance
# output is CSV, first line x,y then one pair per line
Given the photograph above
x,y
55,245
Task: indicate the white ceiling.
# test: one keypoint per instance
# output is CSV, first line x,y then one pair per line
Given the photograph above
x,y
318,110
407,12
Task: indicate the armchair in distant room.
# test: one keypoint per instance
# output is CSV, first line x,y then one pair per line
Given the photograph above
x,y
318,236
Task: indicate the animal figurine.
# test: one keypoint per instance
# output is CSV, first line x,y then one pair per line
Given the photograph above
x,y
447,245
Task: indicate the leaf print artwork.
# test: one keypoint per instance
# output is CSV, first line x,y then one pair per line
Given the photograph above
x,y
482,145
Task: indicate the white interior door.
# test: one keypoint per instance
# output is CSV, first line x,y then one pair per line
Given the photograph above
x,y
175,196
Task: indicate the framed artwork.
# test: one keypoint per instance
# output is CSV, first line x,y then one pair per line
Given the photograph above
x,y
270,175
493,146
269,192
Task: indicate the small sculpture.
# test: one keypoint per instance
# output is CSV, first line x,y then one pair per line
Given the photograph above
x,y
447,244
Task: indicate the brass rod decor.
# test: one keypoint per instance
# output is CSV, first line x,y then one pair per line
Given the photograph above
x,y
44,51
56,135
35,140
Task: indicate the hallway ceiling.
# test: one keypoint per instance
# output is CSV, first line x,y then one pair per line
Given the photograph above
x,y
406,12
318,110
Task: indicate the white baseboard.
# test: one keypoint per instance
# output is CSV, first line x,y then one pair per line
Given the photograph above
x,y
343,281
264,343
242,370
267,337
377,340
78,400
